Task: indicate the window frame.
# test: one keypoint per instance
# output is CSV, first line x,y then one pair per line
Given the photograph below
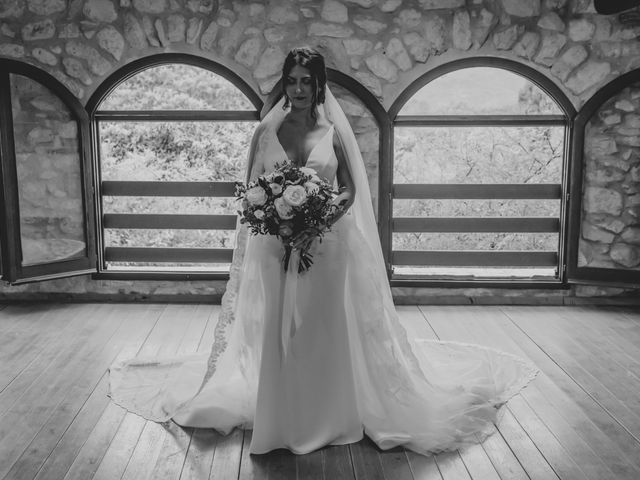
x,y
213,189
592,275
565,119
10,237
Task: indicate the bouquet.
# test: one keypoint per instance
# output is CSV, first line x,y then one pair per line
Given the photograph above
x,y
286,202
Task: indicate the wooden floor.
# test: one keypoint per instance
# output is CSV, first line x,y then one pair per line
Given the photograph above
x,y
579,419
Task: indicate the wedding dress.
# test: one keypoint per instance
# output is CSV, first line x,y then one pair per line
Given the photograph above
x,y
319,358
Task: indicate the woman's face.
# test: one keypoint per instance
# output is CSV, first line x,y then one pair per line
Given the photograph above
x,y
299,87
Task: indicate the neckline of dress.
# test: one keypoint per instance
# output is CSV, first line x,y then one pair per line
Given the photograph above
x,y
310,153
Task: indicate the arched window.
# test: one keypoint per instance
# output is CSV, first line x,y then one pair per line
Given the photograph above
x,y
172,137
478,174
46,214
604,227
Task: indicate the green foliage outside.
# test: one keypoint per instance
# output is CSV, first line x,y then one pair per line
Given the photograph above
x,y
217,151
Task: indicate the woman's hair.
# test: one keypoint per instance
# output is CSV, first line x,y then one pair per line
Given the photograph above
x,y
312,60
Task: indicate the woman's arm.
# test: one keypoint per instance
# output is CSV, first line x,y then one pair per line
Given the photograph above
x,y
346,187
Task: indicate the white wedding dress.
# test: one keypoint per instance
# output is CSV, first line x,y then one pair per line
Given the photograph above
x,y
320,358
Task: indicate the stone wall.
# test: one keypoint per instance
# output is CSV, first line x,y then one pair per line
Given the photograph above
x,y
384,44
610,236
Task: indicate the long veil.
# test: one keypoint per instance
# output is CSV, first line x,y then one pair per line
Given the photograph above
x,y
426,395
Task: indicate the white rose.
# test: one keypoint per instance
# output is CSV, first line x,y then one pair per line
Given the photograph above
x,y
284,210
259,214
256,195
308,171
276,188
311,188
295,195
316,178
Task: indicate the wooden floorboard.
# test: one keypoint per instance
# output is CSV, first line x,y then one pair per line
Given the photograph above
x,y
579,419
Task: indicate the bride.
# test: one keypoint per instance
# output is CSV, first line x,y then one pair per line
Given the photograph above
x,y
319,358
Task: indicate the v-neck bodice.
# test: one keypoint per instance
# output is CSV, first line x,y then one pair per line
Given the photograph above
x,y
322,157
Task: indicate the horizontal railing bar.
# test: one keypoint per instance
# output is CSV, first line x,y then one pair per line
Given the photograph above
x,y
476,224
168,189
480,258
479,120
177,115
168,255
169,221
422,191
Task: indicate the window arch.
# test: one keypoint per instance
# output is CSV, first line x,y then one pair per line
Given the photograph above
x,y
172,135
478,175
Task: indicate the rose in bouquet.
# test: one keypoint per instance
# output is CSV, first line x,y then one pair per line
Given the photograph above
x,y
285,203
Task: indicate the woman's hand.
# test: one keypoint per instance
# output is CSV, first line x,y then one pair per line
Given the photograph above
x,y
304,240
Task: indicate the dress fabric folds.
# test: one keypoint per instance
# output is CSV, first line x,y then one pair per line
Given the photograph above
x,y
319,358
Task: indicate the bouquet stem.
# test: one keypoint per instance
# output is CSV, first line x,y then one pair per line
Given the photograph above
x,y
305,259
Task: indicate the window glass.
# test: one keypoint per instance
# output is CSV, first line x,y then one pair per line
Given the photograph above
x,y
49,172
480,91
176,87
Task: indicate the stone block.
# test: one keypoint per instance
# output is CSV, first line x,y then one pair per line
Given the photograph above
x,y
522,8
595,234
334,11
356,46
581,30
625,105
462,30
625,254
505,38
408,18
435,33
418,46
441,4
112,41
602,200
100,11
44,56
11,50
269,64
319,29
281,15
176,28
46,7
398,54
589,75
369,24
69,30
568,61
390,6
382,67
202,6
38,30
527,45
631,235
76,69
551,21
97,63
11,8
193,30
552,43
248,52
161,33
208,39
133,32
152,7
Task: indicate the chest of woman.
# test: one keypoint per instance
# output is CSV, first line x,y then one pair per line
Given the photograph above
x,y
317,154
